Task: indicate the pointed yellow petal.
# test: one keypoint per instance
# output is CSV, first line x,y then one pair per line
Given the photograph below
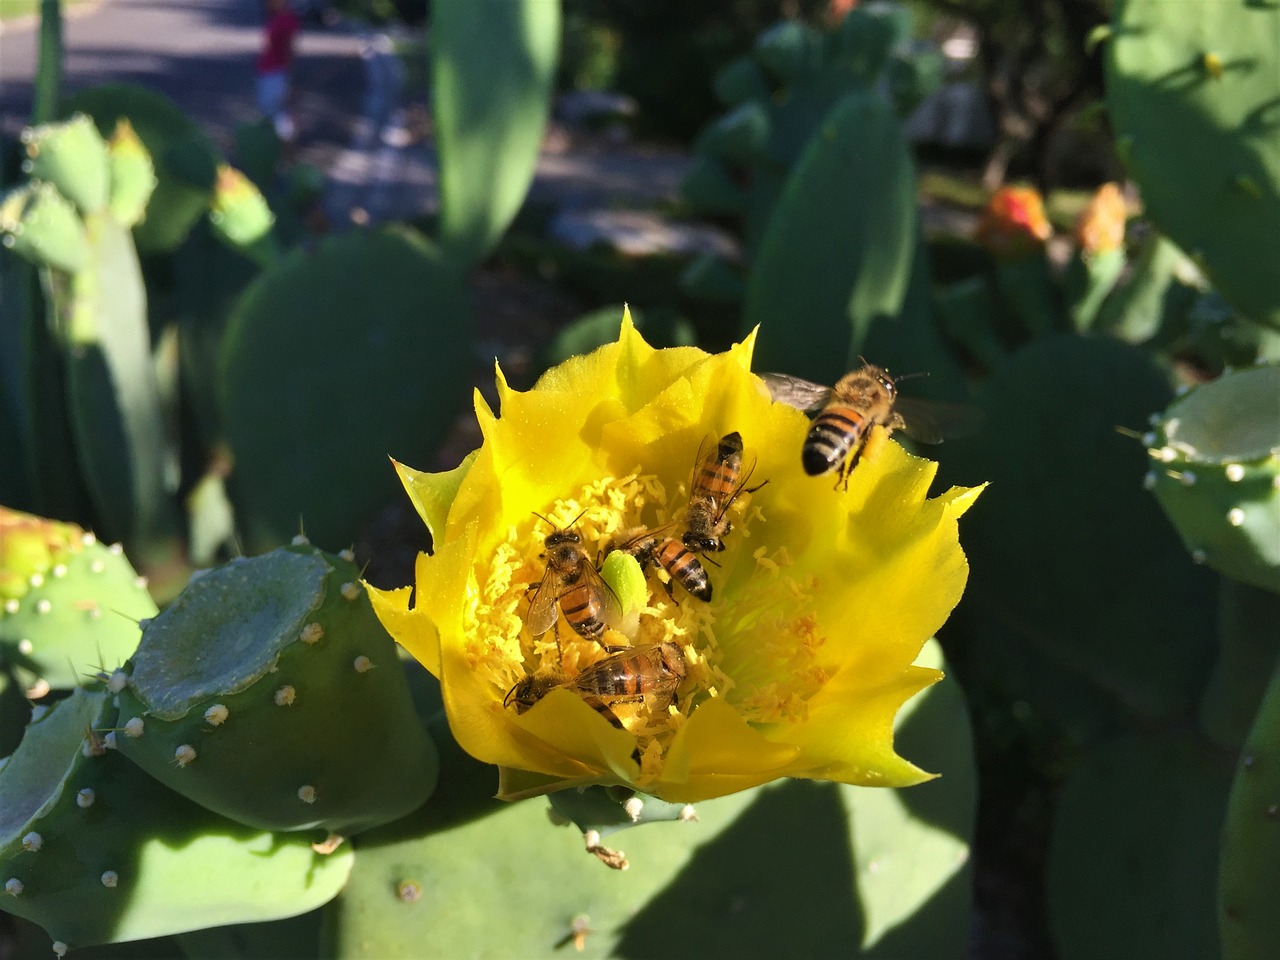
x,y
715,753
432,494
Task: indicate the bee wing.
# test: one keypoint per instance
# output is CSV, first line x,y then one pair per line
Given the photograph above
x,y
932,422
744,477
611,606
542,608
635,538
795,392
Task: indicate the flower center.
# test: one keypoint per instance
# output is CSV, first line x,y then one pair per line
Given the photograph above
x,y
753,643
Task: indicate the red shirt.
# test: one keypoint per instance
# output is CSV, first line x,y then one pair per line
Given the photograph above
x,y
277,49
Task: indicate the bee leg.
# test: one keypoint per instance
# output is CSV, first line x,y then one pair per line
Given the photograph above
x,y
762,483
670,587
555,627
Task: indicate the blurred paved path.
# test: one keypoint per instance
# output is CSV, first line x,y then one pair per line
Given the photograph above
x,y
353,118
200,52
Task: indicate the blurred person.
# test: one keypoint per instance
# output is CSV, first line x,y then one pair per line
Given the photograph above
x,y
274,63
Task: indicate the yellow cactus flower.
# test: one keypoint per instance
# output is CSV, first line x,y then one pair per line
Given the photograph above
x,y
1014,223
1100,226
822,597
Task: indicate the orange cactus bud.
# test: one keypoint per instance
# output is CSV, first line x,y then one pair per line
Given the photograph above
x,y
1100,228
1014,224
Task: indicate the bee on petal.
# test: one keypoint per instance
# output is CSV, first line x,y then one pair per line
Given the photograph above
x,y
843,416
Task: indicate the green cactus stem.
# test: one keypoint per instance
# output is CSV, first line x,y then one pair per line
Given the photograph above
x,y
1215,469
270,693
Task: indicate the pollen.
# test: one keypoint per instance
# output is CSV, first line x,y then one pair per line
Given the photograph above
x,y
602,513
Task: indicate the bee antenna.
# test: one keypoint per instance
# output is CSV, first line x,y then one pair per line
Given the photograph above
x,y
911,376
544,519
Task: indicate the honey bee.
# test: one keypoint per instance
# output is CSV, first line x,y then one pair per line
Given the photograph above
x,y
571,585
843,416
648,674
718,480
656,548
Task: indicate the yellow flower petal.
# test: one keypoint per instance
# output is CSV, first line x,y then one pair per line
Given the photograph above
x,y
432,494
716,753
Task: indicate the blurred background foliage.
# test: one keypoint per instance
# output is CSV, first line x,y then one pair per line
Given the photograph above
x,y
1053,208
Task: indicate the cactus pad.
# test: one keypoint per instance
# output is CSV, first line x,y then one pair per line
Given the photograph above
x,y
382,322
185,159
1216,471
42,226
1132,856
1247,921
73,157
270,693
71,605
1192,90
95,851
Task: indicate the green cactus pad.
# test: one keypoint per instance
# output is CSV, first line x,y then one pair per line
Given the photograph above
x,y
740,80
712,277
382,322
133,175
42,226
71,605
883,872
1191,89
185,159
1248,650
73,157
1133,853
835,256
865,36
709,188
1111,613
1216,471
95,851
270,693
790,51
493,70
737,137
1247,921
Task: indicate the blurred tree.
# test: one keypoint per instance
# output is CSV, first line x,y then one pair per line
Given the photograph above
x,y
1038,74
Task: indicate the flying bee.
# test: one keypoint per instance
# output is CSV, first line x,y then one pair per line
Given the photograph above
x,y
718,480
571,585
648,674
844,415
656,548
